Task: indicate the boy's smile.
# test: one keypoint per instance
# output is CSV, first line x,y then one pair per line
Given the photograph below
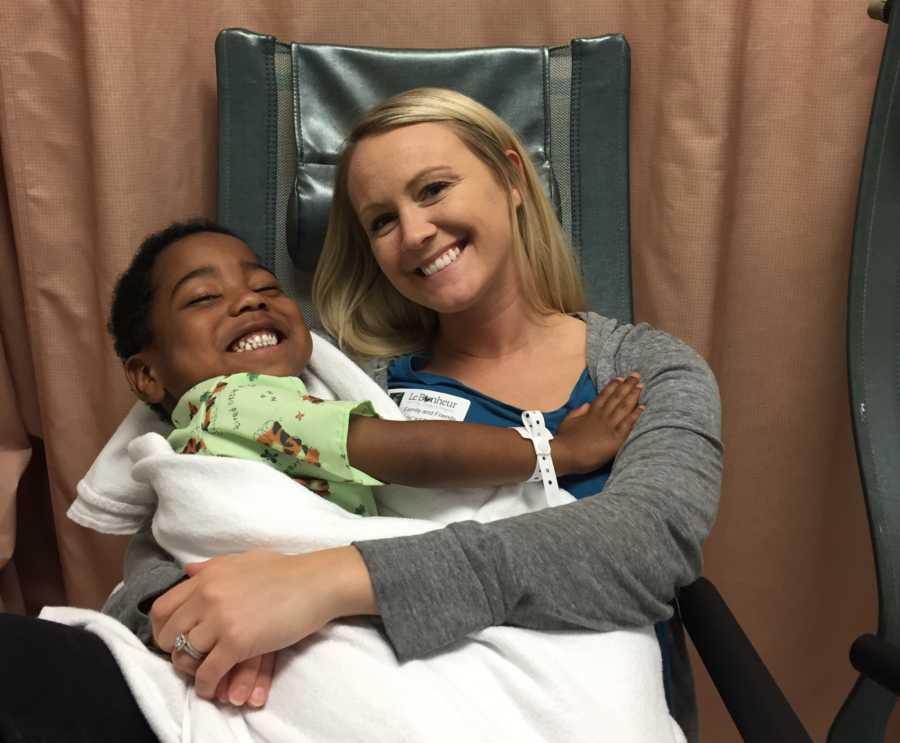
x,y
215,311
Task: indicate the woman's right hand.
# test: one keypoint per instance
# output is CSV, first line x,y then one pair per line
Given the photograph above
x,y
249,682
237,607
592,434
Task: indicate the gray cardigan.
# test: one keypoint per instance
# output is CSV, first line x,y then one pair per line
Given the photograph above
x,y
608,561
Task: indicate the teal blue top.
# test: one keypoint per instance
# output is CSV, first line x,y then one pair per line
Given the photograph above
x,y
406,373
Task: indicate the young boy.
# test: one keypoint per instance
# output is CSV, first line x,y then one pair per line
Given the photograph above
x,y
208,339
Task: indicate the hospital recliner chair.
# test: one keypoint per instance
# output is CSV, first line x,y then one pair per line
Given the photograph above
x,y
873,358
284,109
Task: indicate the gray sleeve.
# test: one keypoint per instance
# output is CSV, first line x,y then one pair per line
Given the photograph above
x,y
608,561
149,572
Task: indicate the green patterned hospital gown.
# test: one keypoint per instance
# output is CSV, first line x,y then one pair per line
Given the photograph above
x,y
275,420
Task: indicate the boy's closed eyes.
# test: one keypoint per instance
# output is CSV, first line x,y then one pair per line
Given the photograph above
x,y
215,310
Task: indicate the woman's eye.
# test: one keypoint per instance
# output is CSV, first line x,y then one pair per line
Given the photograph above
x,y
272,289
380,223
433,190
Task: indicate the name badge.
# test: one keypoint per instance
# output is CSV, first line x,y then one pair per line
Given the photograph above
x,y
422,405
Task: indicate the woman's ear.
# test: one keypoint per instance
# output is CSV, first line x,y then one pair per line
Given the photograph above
x,y
517,164
143,379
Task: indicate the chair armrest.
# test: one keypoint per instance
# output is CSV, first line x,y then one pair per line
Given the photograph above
x,y
753,699
877,659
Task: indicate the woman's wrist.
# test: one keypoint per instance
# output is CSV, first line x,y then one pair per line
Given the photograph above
x,y
354,594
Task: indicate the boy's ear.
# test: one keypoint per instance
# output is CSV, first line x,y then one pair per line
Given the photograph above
x,y
143,380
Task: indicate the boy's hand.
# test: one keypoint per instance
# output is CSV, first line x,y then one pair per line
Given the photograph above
x,y
591,435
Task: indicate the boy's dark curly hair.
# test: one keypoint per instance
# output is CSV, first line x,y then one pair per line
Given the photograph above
x,y
129,317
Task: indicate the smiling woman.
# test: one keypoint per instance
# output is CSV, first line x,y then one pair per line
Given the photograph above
x,y
446,269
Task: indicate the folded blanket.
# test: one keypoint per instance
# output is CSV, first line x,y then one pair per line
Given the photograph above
x,y
345,683
112,501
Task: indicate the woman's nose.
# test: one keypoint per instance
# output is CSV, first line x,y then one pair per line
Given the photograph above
x,y
417,228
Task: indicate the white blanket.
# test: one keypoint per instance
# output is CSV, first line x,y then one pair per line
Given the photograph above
x,y
345,684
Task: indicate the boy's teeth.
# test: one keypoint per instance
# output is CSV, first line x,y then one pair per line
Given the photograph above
x,y
442,261
252,341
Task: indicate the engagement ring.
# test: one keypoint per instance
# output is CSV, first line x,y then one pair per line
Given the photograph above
x,y
183,645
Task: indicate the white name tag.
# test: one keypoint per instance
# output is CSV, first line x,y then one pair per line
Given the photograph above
x,y
421,405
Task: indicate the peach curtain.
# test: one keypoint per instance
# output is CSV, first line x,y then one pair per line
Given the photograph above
x,y
747,129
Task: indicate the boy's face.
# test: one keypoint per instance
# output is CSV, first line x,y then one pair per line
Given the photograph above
x,y
215,311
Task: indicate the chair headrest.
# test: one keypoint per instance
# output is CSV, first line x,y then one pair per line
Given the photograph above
x,y
334,86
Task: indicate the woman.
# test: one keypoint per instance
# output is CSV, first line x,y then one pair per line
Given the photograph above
x,y
444,257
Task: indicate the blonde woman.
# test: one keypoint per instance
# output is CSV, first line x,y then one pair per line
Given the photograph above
x,y
445,271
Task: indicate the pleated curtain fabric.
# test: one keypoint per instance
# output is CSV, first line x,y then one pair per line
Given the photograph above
x,y
748,123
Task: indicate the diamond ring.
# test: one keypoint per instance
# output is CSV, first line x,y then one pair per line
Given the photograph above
x,y
183,645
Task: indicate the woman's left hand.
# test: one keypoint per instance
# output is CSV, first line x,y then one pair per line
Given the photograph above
x,y
242,606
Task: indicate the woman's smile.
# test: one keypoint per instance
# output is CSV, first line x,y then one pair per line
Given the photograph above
x,y
445,259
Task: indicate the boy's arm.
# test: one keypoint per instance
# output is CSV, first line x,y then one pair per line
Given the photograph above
x,y
445,453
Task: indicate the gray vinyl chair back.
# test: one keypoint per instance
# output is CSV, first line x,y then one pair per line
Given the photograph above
x,y
285,108
874,369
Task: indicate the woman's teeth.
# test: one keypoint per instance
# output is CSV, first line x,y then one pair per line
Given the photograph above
x,y
442,261
252,341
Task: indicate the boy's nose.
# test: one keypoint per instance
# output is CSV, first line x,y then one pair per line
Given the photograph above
x,y
248,301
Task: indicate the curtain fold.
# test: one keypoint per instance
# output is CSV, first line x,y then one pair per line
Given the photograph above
x,y
15,449
748,122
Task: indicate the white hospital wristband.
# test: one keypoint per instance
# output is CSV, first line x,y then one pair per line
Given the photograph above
x,y
537,432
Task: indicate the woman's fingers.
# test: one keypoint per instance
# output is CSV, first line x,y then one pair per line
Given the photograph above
x,y
212,670
249,682
242,680
192,568
161,613
242,606
183,620
184,663
222,688
263,686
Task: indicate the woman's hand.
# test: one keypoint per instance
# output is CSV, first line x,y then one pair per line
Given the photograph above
x,y
249,682
592,434
238,607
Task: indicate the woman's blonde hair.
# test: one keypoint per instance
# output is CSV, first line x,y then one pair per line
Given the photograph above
x,y
357,303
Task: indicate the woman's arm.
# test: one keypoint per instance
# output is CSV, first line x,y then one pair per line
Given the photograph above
x,y
149,572
609,561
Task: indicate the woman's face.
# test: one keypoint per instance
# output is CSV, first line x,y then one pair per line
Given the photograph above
x,y
437,218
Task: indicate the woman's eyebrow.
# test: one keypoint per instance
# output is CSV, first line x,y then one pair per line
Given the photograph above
x,y
425,173
411,184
